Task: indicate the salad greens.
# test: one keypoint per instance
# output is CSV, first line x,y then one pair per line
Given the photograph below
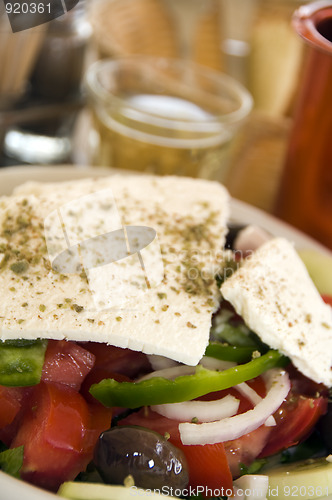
x,y
159,390
238,335
21,362
11,461
254,468
312,447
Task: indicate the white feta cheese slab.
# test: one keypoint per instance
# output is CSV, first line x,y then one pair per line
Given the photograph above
x,y
274,294
171,319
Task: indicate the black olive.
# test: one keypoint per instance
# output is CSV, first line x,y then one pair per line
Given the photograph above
x,y
233,231
146,455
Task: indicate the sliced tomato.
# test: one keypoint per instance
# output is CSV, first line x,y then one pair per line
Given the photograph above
x,y
66,363
246,449
327,299
100,421
96,375
299,413
10,404
54,433
113,362
118,360
207,464
13,406
295,419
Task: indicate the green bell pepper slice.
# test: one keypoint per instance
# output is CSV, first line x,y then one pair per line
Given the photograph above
x,y
21,362
229,352
158,390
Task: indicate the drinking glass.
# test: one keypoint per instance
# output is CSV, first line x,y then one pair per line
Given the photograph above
x,y
164,116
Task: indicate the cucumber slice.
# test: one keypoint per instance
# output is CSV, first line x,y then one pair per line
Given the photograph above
x,y
93,491
320,269
305,480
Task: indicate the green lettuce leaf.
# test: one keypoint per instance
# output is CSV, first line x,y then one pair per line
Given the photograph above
x,y
11,461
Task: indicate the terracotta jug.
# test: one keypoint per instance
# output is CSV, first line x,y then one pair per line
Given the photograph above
x,y
305,197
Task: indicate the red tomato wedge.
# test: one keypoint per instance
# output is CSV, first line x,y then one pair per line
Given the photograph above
x,y
118,360
246,449
295,419
297,416
54,435
14,402
207,464
66,363
100,420
96,375
10,404
327,299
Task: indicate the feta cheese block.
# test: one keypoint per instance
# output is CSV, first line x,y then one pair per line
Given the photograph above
x,y
154,288
275,296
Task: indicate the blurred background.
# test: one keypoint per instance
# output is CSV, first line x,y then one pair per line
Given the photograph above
x,y
45,116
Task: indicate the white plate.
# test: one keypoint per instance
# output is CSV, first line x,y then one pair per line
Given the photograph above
x,y
13,489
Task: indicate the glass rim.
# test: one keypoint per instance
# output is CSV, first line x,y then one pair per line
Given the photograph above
x,y
234,88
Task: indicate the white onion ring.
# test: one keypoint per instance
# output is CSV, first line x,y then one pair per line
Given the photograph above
x,y
204,411
249,393
216,364
170,373
161,362
250,238
235,427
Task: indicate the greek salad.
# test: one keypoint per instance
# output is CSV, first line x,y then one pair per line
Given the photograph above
x,y
93,412
252,420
